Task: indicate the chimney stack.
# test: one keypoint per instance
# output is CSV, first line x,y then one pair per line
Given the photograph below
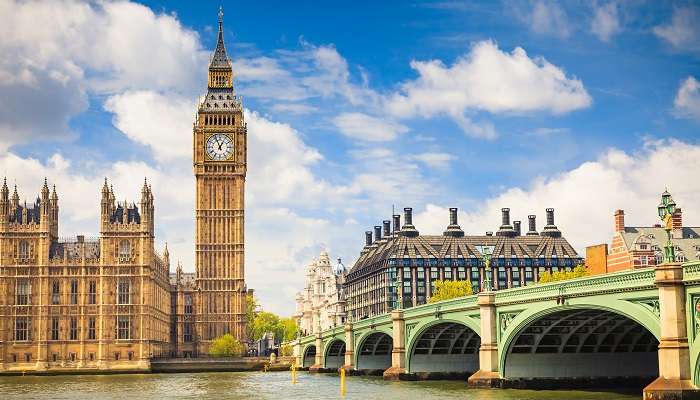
x,y
453,229
387,228
506,228
619,221
550,229
368,238
408,229
677,222
397,222
532,225
516,226
377,233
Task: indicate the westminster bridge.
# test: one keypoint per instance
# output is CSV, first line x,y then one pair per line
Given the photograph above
x,y
635,326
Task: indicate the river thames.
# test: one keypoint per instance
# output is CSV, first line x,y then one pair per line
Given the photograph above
x,y
258,385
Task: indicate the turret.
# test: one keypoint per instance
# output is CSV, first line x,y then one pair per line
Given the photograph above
x,y
44,207
4,202
106,204
54,212
147,209
14,203
166,256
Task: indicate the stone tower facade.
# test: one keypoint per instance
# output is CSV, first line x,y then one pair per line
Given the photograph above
x,y
219,156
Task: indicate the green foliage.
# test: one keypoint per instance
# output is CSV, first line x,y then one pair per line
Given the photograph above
x,y
289,326
226,346
445,290
267,322
578,272
251,305
261,322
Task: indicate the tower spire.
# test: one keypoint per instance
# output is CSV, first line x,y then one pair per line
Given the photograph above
x,y
220,58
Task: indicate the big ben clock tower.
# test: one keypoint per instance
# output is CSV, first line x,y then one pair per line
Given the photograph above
x,y
220,170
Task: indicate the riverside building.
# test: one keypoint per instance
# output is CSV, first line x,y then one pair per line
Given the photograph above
x,y
110,302
322,302
398,267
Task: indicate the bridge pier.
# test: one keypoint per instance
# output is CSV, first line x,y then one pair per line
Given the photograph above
x,y
318,358
398,353
487,375
675,378
348,365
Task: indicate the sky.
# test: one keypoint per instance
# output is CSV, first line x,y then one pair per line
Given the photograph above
x,y
355,107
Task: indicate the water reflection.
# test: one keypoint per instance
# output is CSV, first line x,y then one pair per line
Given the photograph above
x,y
258,385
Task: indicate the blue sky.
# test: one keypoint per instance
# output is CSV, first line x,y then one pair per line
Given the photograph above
x,y
357,106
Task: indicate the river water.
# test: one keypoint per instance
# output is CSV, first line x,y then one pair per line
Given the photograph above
x,y
259,385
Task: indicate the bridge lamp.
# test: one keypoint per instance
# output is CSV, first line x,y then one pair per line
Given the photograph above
x,y
666,209
486,256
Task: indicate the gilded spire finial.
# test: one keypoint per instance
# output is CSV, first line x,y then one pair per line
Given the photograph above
x,y
221,16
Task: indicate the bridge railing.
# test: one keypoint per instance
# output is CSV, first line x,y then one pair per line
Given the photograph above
x,y
642,278
691,271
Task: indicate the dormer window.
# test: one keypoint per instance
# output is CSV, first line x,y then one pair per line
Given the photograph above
x,y
228,97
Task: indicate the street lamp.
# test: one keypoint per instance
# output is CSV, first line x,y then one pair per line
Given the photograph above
x,y
666,209
486,256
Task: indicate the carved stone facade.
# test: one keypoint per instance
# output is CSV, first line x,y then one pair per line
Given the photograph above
x,y
65,304
322,302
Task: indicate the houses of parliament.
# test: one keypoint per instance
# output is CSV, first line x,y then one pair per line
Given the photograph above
x,y
111,302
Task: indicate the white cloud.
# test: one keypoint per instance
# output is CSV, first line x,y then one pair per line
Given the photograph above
x,y
549,18
295,109
435,159
687,101
488,79
368,128
683,32
605,22
162,122
55,53
586,197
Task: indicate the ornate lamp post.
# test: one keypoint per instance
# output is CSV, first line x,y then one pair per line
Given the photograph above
x,y
399,293
486,256
666,209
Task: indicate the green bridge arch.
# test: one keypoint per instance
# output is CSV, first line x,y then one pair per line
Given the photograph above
x,y
628,309
418,330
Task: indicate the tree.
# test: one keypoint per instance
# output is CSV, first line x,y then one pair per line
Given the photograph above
x,y
445,290
251,305
267,322
578,272
225,346
287,350
289,327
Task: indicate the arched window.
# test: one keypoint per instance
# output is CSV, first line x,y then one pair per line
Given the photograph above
x,y
124,249
23,251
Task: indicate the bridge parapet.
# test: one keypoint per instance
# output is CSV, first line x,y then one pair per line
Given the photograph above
x,y
625,281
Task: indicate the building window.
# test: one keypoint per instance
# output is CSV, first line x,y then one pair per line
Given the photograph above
x,y
123,328
54,356
55,292
448,273
72,357
91,328
54,328
22,328
188,333
23,251
116,356
27,357
124,249
461,273
406,273
130,355
91,356
24,291
92,292
188,304
123,292
74,291
74,328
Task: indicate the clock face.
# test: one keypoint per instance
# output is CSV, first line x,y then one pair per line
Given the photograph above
x,y
219,147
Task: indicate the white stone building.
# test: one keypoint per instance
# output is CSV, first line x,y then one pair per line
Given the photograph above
x,y
322,302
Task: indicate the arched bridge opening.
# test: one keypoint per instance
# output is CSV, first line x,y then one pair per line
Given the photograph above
x,y
582,348
445,350
374,353
309,356
335,356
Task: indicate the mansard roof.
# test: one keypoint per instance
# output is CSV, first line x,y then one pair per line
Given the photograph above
x,y
455,247
688,243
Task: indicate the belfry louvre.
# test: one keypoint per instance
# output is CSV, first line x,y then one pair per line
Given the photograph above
x,y
399,266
